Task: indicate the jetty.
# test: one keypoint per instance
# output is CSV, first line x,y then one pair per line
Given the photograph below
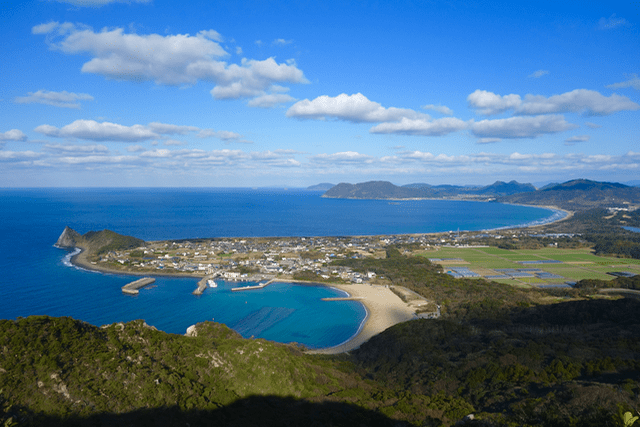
x,y
133,287
202,285
249,288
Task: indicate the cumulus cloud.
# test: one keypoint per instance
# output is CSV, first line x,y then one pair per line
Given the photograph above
x,y
94,131
592,125
353,108
585,101
611,22
423,127
439,108
633,81
180,59
13,135
489,103
62,99
521,127
537,74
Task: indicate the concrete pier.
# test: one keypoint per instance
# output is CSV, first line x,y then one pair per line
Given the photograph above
x,y
132,288
202,285
248,288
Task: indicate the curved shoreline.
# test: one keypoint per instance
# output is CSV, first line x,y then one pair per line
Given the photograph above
x,y
383,308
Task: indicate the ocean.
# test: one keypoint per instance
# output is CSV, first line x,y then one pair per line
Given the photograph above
x,y
36,278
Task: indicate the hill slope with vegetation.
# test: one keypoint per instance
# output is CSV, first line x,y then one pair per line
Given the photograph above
x,y
97,242
510,356
580,194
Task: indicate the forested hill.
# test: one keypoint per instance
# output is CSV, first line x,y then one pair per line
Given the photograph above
x,y
97,242
579,195
376,190
387,190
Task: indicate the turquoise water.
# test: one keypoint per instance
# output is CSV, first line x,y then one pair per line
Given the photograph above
x,y
35,280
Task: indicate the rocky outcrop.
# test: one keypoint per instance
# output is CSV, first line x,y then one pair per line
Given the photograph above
x,y
70,239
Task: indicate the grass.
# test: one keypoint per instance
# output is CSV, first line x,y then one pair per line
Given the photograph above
x,y
577,264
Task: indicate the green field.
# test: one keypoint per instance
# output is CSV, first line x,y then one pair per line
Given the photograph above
x,y
577,264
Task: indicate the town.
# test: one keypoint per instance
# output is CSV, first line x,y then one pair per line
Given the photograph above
x,y
257,259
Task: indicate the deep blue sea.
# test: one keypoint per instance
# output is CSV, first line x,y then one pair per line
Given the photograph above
x,y
35,280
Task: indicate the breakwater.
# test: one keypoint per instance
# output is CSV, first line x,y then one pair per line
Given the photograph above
x,y
202,285
258,286
133,287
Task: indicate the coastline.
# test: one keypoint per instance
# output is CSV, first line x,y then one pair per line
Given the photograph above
x,y
384,309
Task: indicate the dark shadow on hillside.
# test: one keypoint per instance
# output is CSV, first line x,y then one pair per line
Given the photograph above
x,y
251,411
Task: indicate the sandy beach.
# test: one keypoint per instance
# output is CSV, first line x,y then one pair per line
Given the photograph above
x,y
384,309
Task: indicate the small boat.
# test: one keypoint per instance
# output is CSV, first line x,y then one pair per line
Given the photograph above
x,y
212,284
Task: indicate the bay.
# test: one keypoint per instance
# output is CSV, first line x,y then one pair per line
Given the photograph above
x,y
35,280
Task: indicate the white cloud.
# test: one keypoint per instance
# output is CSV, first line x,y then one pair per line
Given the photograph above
x,y
633,81
13,135
179,59
135,148
537,74
221,134
62,99
592,125
578,138
169,129
354,108
281,42
270,100
611,22
170,142
579,100
521,127
345,157
99,3
18,156
488,140
423,127
94,131
76,150
439,108
489,103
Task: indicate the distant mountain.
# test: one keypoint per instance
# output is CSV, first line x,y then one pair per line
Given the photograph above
x,y
504,188
321,187
387,190
579,194
375,190
417,185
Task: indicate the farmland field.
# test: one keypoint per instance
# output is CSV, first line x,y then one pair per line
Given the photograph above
x,y
575,264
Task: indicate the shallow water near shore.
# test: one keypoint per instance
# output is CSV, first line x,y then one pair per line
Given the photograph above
x,y
35,280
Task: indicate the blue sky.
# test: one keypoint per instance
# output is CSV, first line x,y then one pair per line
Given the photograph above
x,y
276,93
